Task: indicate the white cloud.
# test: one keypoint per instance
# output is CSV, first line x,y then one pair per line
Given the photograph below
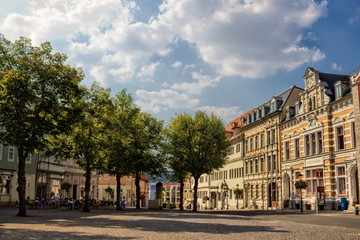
x,y
176,64
146,72
225,113
156,101
246,38
197,87
336,67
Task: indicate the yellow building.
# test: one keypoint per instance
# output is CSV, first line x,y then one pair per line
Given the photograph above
x,y
262,177
318,143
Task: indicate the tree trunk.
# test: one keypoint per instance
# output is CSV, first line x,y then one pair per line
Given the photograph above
x,y
196,180
21,183
181,195
137,184
118,191
86,207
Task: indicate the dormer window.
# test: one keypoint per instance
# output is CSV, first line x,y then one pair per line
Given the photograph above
x,y
258,114
338,90
253,116
248,119
273,107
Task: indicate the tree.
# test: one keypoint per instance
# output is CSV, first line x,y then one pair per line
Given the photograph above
x,y
86,144
144,152
199,142
38,98
120,134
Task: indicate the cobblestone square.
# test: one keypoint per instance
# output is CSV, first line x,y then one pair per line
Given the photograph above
x,y
145,224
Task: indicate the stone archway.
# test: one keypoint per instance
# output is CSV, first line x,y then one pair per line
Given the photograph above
x,y
286,191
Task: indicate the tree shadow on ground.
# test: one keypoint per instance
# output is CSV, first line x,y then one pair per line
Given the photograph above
x,y
150,222
53,235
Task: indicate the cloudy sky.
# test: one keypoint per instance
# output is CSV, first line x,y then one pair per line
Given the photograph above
x,y
176,56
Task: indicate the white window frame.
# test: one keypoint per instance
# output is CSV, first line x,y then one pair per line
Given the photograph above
x,y
13,154
28,159
337,180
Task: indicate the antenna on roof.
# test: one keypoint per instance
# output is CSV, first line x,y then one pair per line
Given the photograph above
x,y
354,71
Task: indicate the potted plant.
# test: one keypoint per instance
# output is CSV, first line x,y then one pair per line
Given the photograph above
x,y
300,184
66,187
109,191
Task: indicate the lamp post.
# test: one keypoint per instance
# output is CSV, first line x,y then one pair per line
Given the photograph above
x,y
300,185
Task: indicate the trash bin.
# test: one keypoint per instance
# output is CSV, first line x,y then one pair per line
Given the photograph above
x,y
343,204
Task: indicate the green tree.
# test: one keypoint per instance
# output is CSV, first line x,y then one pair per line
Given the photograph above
x,y
38,97
199,142
144,152
86,144
121,134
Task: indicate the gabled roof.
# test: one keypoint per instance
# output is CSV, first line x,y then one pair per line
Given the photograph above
x,y
229,127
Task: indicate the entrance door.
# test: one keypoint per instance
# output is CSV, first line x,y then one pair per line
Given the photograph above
x,y
74,195
356,193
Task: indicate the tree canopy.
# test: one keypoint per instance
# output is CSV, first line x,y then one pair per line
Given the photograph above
x,y
197,144
39,97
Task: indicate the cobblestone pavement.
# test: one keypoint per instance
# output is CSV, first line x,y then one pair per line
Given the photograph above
x,y
145,224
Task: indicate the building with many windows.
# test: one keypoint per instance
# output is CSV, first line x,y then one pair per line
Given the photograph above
x,y
262,176
318,143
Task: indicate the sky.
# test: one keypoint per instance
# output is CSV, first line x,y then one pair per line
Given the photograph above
x,y
180,56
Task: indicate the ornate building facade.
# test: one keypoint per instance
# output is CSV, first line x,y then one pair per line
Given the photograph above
x,y
318,143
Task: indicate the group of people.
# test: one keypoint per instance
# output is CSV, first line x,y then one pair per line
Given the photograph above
x,y
67,203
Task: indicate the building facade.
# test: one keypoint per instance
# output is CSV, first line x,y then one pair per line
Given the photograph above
x,y
262,177
8,175
318,144
128,189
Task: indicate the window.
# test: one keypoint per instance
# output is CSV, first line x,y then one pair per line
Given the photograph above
x,y
353,135
341,180
28,159
238,147
340,138
314,178
297,148
257,192
273,136
251,144
287,150
256,165
268,137
262,140
313,144
256,142
107,177
246,145
274,162
297,107
320,142
262,164
307,145
269,163
338,92
11,154
246,167
251,166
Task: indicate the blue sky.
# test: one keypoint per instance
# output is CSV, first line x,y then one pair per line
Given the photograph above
x,y
176,56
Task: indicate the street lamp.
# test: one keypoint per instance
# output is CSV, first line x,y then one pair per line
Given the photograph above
x,y
300,184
